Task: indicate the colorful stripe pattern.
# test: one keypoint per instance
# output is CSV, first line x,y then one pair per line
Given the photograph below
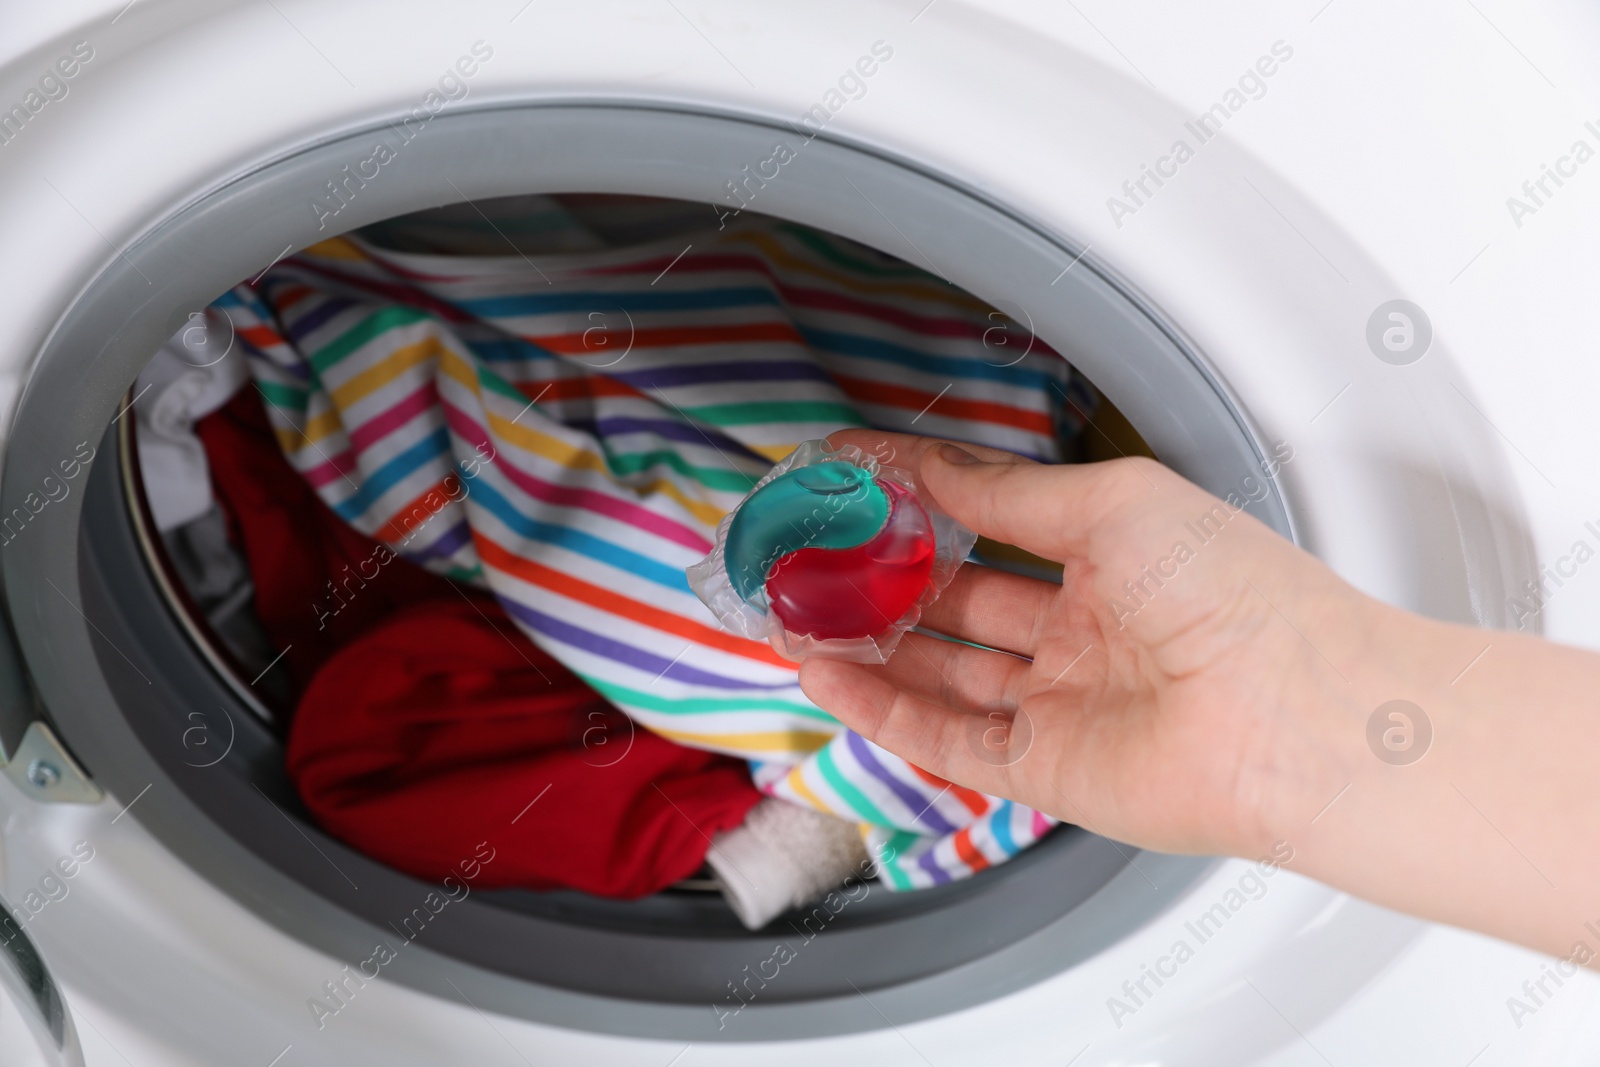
x,y
568,428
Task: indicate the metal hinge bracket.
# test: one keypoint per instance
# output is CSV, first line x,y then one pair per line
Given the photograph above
x,y
42,768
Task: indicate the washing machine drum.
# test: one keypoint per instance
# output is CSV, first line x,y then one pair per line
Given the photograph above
x,y
126,675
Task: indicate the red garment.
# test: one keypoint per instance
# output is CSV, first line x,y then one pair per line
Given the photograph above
x,y
433,732
319,583
428,722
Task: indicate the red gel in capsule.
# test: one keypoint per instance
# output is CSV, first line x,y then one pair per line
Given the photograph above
x,y
830,593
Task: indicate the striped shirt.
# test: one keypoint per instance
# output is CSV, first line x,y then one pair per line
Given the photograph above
x,y
567,427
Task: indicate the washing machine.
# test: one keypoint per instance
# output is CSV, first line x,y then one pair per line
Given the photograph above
x,y
1338,248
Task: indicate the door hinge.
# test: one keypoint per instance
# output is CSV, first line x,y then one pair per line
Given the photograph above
x,y
43,768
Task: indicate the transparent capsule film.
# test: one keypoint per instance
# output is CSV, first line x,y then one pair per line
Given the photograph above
x,y
830,554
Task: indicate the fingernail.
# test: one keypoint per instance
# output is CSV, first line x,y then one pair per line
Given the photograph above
x,y
952,454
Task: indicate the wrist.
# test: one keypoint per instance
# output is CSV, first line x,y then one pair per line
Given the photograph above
x,y
1374,783
1352,660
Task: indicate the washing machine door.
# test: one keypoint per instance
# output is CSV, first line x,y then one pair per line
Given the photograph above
x,y
35,1024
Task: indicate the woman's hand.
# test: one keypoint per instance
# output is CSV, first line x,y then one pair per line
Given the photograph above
x,y
1199,684
1156,696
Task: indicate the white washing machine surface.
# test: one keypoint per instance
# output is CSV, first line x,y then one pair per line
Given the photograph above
x,y
1351,234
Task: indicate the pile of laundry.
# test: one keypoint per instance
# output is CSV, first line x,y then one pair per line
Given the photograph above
x,y
465,458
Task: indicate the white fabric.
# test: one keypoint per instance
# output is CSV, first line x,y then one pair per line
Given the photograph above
x,y
783,856
191,376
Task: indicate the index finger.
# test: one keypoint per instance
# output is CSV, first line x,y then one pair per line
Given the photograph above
x,y
906,451
1047,509
1052,510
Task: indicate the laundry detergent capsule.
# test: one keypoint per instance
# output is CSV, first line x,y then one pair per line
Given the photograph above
x,y
831,554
